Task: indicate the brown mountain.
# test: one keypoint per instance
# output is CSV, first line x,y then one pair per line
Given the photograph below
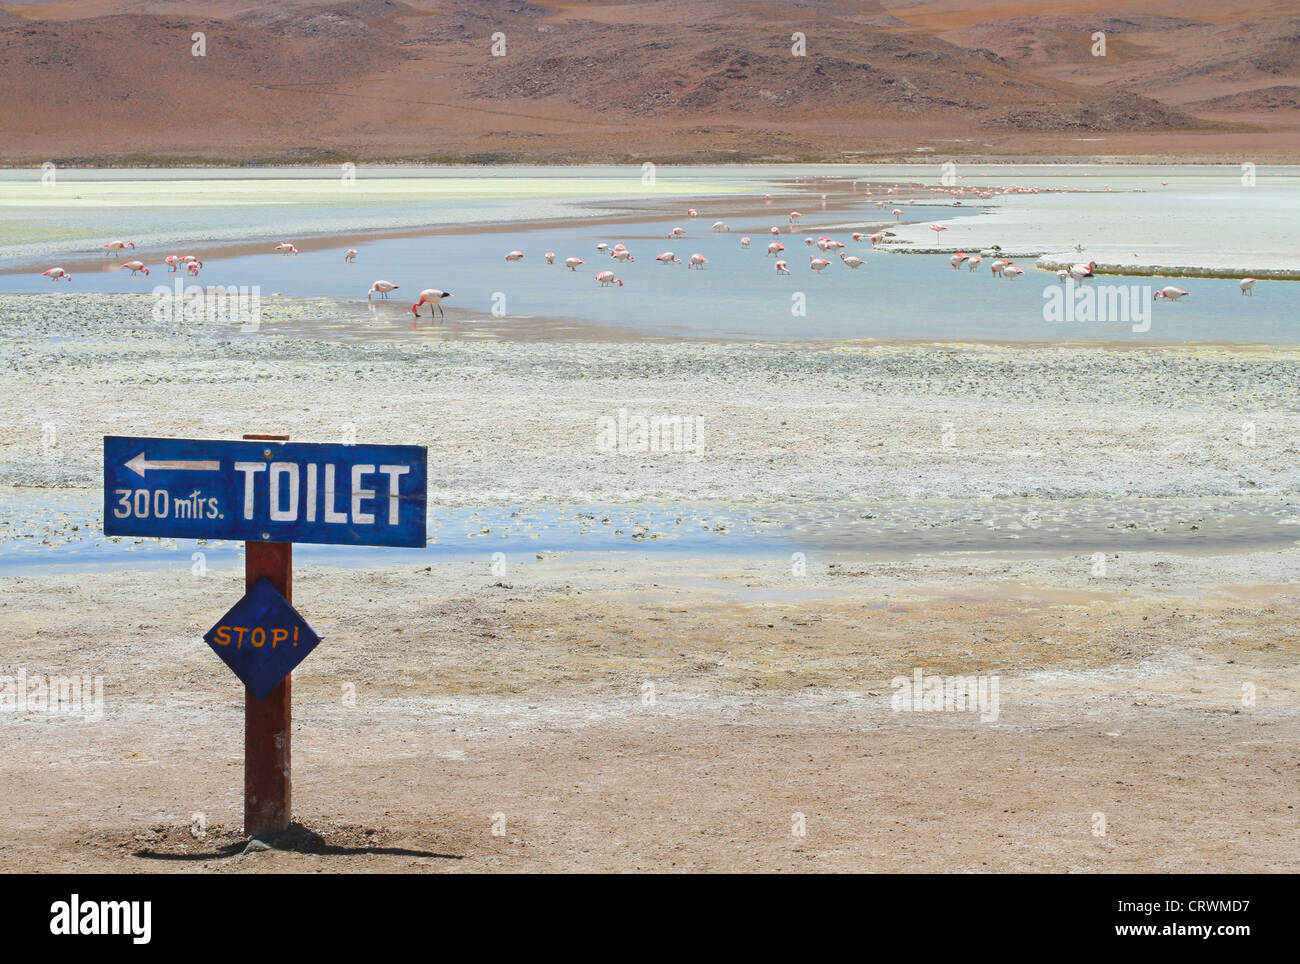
x,y
662,79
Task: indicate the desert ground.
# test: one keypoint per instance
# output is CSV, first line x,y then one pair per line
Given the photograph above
x,y
679,710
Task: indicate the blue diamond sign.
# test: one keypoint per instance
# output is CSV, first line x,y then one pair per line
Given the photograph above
x,y
262,638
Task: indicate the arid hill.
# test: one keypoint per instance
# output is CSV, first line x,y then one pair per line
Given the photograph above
x,y
670,80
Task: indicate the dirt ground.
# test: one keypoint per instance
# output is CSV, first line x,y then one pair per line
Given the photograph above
x,y
642,713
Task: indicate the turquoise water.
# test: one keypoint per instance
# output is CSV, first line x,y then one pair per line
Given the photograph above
x,y
738,295
53,529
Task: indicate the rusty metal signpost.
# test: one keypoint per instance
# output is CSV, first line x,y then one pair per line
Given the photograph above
x,y
270,493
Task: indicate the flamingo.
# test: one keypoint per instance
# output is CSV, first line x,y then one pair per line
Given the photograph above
x,y
898,213
286,248
172,261
381,288
607,278
1247,284
974,262
136,266
721,226
431,297
1063,275
1012,271
692,213
818,264
350,256
623,254
957,259
550,257
602,247
572,263
117,246
1081,271
776,247
668,258
56,274
858,236
998,266
697,261
744,242
775,231
853,261
782,268
937,228
194,267
515,256
676,232
1170,294
795,216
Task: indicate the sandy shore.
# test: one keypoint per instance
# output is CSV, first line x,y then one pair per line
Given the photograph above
x,y
631,714
1158,691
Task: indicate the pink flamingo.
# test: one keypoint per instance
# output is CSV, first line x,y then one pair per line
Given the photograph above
x,y
136,266
818,264
776,247
936,228
851,260
381,288
1247,284
515,256
744,242
117,246
550,257
56,274
692,213
775,231
898,213
697,261
782,268
286,248
957,259
795,216
974,262
676,232
1170,294
194,267
350,256
668,258
606,278
623,254
430,297
572,263
173,262
1012,271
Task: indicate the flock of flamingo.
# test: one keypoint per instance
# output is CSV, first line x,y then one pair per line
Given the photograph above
x,y
1000,267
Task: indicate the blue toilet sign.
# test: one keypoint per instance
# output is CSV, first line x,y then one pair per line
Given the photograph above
x,y
262,639
260,491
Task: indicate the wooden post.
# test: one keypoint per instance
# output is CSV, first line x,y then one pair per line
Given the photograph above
x,y
268,723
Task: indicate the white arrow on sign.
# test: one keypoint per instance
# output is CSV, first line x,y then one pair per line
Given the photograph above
x,y
140,465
